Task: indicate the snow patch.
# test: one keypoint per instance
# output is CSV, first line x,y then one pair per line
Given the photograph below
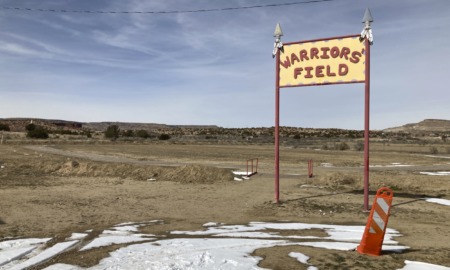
x,y
439,201
232,252
302,258
412,265
436,173
44,255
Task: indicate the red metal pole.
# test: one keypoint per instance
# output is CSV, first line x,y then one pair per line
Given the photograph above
x,y
367,127
277,127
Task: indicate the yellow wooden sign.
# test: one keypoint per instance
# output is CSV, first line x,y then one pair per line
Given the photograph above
x,y
318,62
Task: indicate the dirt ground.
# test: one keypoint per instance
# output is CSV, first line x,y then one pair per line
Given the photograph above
x,y
55,190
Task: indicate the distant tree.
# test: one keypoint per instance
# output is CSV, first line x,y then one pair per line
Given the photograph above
x,y
88,133
112,132
4,127
142,134
37,132
164,137
30,127
128,133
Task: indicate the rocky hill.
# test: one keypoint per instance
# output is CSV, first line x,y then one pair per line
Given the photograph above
x,y
19,124
425,126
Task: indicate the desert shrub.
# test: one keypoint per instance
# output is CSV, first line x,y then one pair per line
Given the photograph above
x,y
325,147
359,146
30,127
341,146
128,133
433,150
37,133
112,132
65,132
164,137
337,181
4,127
142,134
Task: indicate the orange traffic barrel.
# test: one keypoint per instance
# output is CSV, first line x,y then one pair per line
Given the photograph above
x,y
373,236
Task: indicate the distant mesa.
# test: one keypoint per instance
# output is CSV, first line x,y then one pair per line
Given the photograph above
x,y
19,124
427,125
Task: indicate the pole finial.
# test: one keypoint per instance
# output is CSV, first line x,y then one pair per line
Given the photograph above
x,y
278,32
277,46
367,16
367,30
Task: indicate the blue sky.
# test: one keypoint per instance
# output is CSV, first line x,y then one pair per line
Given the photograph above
x,y
216,68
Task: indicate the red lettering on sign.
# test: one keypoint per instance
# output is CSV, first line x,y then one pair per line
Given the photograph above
x,y
355,57
344,53
334,52
294,58
297,71
319,71
343,69
329,73
324,53
286,62
308,72
304,55
314,53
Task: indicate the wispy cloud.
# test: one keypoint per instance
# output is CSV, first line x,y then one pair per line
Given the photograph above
x,y
215,67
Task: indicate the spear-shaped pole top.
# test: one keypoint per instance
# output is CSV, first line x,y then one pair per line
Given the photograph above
x,y
367,16
278,32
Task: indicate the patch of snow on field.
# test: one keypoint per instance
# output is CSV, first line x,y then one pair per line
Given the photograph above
x,y
256,230
205,249
11,250
77,236
62,266
122,236
394,164
326,165
439,201
436,156
412,265
302,258
44,255
211,224
188,254
12,254
240,176
436,173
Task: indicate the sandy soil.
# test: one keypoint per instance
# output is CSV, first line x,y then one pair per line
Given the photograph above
x,y
52,191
